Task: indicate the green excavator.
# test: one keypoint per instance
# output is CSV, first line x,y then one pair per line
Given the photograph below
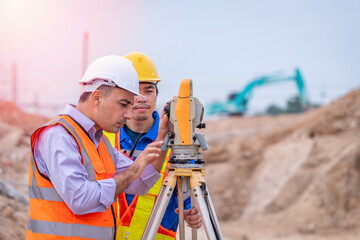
x,y
237,102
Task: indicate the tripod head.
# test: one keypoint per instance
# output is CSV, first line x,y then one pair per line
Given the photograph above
x,y
185,113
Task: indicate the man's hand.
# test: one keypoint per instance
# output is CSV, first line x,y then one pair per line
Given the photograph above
x,y
148,156
192,217
165,125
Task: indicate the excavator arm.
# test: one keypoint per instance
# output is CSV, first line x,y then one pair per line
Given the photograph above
x,y
237,103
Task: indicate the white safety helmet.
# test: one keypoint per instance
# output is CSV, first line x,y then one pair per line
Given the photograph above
x,y
112,71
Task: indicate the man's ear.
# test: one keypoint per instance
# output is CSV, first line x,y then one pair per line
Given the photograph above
x,y
96,97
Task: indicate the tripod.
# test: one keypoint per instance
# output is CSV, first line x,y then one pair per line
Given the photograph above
x,y
185,113
189,177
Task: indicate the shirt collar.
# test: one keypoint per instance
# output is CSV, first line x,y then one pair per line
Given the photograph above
x,y
151,134
87,124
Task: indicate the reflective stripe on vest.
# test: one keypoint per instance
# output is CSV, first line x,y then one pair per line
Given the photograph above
x,y
70,230
132,219
49,215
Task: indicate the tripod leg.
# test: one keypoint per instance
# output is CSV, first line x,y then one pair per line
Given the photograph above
x,y
202,197
212,212
193,204
181,181
204,213
158,211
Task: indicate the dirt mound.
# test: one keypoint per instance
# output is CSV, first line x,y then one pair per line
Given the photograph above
x,y
13,115
299,172
15,129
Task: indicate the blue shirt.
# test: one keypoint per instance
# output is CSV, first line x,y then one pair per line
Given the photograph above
x,y
58,157
170,220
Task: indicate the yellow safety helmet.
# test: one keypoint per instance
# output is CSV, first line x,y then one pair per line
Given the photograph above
x,y
144,67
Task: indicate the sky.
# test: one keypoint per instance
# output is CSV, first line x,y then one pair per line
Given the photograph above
x,y
220,45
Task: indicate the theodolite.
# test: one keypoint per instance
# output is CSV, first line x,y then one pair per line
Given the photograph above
x,y
185,113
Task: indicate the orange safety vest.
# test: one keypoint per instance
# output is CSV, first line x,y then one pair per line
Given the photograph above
x,y
132,219
50,217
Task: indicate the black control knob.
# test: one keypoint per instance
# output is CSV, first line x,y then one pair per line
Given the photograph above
x,y
201,125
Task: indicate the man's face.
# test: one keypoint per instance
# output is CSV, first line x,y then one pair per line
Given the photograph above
x,y
114,109
143,108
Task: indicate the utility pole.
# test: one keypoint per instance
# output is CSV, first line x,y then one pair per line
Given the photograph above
x,y
85,52
14,83
36,101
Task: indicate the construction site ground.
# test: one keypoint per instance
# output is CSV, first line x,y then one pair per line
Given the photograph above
x,y
287,177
